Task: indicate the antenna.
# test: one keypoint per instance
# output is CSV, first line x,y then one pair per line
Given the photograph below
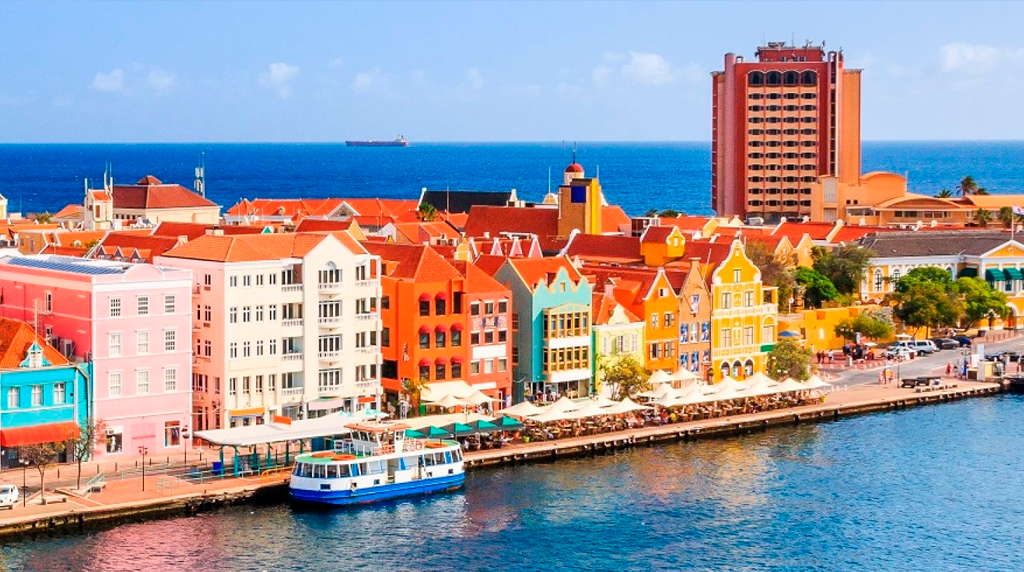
x,y
201,175
549,180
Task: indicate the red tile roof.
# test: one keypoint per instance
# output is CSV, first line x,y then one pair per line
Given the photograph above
x,y
291,208
636,280
656,234
490,263
478,281
533,270
150,193
381,207
69,212
851,233
247,247
690,223
194,230
321,225
794,231
155,245
603,306
713,253
413,262
15,339
614,219
605,247
542,222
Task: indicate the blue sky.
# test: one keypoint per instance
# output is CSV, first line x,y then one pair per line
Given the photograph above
x,y
464,71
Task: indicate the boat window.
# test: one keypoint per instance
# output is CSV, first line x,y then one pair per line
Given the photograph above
x,y
447,457
438,458
298,470
307,470
428,460
363,470
319,471
458,455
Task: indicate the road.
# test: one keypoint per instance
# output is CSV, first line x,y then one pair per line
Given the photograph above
x,y
927,365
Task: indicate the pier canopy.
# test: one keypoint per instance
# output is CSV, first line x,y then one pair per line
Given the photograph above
x,y
251,435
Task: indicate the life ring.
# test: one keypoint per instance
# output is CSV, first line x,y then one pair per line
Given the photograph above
x,y
344,457
433,445
323,454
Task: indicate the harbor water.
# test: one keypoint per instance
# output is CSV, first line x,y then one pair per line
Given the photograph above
x,y
930,488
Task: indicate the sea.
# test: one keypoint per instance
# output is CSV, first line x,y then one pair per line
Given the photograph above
x,y
934,488
637,176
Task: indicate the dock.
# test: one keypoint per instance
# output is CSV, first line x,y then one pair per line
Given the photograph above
x,y
123,501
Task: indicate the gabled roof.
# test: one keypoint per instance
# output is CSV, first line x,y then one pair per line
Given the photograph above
x,y
794,231
412,262
597,247
614,219
462,201
633,283
155,245
291,208
936,243
995,201
852,233
713,253
603,307
489,263
15,339
404,209
247,247
194,230
543,222
151,193
477,281
320,225
690,223
535,270
422,232
70,212
656,234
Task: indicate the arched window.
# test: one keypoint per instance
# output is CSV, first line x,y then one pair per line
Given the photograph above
x,y
878,280
792,78
809,78
748,369
725,369
755,78
773,78
896,275
736,370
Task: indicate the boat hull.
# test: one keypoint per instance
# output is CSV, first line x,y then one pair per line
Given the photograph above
x,y
377,143
381,492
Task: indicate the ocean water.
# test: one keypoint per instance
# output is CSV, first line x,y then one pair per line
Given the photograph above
x,y
638,176
934,488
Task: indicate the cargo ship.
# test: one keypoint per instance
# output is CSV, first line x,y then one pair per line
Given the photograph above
x,y
396,142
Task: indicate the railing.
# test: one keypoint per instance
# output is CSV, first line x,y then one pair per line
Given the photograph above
x,y
291,323
757,309
292,356
367,383
329,355
292,391
329,287
291,288
331,321
98,481
365,283
367,316
367,350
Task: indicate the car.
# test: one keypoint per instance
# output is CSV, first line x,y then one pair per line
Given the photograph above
x,y
8,496
899,352
925,346
965,342
946,343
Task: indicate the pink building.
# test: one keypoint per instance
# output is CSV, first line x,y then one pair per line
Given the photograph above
x,y
133,322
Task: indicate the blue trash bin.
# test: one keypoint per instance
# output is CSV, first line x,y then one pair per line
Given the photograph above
x,y
218,467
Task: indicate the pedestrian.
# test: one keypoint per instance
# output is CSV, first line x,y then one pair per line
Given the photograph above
x,y
831,357
881,377
949,369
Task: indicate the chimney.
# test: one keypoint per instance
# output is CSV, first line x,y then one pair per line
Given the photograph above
x,y
215,231
609,285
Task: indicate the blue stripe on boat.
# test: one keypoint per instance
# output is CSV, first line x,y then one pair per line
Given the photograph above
x,y
380,492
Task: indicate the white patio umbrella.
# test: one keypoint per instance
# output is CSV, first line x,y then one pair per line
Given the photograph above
x,y
668,400
683,374
658,377
814,382
760,384
591,409
603,401
563,404
520,410
548,414
657,392
449,401
478,398
790,385
727,384
625,406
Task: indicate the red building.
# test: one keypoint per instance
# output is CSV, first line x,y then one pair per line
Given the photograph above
x,y
779,123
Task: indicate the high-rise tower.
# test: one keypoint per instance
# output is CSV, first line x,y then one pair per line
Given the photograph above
x,y
777,125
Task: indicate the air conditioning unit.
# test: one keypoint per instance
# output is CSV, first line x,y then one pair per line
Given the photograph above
x,y
67,347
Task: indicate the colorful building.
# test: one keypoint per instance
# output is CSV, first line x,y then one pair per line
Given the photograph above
x,y
282,325
695,321
44,398
617,333
744,318
132,322
488,323
149,200
778,124
551,335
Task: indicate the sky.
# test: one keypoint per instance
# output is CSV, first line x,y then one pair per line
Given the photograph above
x,y
468,71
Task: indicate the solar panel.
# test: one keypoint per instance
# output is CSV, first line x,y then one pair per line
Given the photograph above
x,y
77,268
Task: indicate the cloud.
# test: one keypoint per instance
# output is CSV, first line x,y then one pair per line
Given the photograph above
x,y
160,80
602,73
961,57
278,77
336,63
372,80
648,68
475,79
112,81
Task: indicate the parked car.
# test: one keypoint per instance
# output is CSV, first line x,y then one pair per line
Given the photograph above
x,y
946,343
925,346
8,496
900,352
965,342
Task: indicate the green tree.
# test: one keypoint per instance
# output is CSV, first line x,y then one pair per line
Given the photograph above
x,y
651,213
927,304
789,359
981,191
982,217
844,266
427,212
967,186
865,326
924,274
626,377
43,218
413,388
776,270
1006,216
815,286
670,213
42,456
980,300
85,443
944,194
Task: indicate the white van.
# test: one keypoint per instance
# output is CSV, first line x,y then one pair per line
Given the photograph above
x,y
925,346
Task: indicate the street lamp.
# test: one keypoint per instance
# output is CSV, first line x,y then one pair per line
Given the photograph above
x,y
142,451
24,482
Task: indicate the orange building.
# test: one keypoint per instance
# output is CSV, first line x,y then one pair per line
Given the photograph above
x,y
778,124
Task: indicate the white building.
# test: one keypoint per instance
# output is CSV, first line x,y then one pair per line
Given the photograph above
x,y
283,325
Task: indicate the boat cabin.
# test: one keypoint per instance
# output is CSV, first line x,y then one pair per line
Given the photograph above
x,y
380,438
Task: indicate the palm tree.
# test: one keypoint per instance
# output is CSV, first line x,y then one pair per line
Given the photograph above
x,y
982,217
428,212
944,194
981,191
1006,216
967,186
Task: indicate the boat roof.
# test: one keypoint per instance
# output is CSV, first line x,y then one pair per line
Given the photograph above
x,y
377,427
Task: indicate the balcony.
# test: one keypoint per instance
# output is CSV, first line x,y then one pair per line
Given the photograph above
x,y
330,288
330,323
291,323
367,316
368,350
291,288
295,356
367,383
756,310
292,391
365,283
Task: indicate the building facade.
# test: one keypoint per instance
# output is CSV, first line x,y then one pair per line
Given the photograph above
x,y
695,322
779,123
489,323
744,318
132,322
282,325
44,398
617,334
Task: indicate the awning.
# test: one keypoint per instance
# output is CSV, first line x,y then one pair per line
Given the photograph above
x,y
442,296
250,412
424,297
50,433
440,360
325,403
424,329
969,272
425,362
1013,274
457,359
367,399
456,327
441,328
994,275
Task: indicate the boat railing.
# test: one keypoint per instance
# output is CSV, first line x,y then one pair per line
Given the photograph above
x,y
354,448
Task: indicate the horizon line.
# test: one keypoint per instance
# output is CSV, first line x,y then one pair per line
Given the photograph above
x,y
472,142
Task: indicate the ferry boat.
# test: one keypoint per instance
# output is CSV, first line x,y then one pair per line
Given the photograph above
x,y
399,141
376,462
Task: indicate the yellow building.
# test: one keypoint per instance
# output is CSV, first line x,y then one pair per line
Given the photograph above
x,y
818,327
617,333
744,317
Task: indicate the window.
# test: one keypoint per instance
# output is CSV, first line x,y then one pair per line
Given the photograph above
x,y
48,302
385,302
246,314
653,351
272,378
142,381
439,339
878,280
141,342
272,313
439,307
474,338
232,385
503,306
60,393
667,319
207,348
488,366
143,305
748,335
456,370
502,364
114,344
474,309
233,282
169,306
489,337
259,313
748,299
502,336
246,281
726,338
13,397
246,384
37,395
273,346
726,300
115,307
424,307
424,373
737,275
768,334
654,321
259,348
474,367
171,379
233,315
259,280
385,337
895,276
246,349
114,384
233,350
170,340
